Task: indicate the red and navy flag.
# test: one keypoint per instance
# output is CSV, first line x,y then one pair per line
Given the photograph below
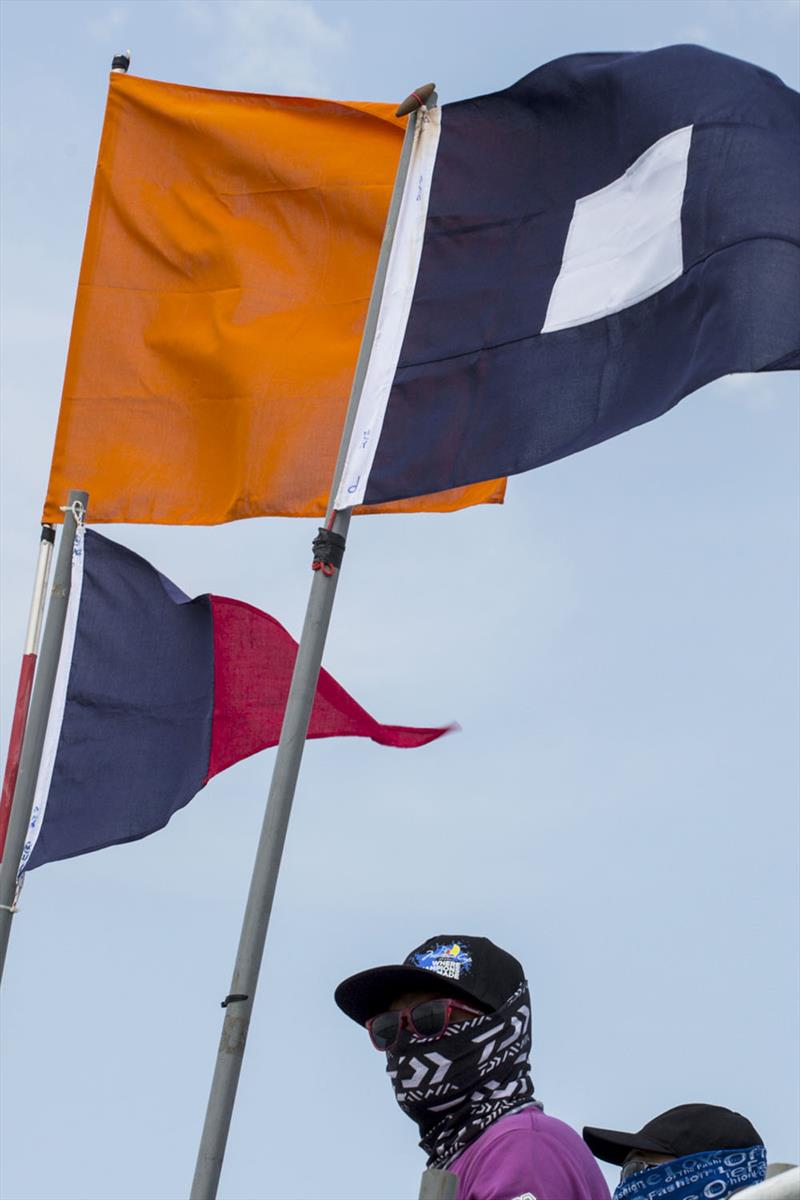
x,y
155,694
575,254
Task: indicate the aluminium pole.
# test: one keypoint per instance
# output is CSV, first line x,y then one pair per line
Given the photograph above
x,y
27,669
119,66
238,1004
438,1185
36,727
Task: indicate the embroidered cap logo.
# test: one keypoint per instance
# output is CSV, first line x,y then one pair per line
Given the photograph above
x,y
450,961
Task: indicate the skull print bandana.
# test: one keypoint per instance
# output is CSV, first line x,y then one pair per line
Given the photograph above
x,y
456,1085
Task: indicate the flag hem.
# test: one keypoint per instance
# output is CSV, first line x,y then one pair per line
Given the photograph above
x,y
398,293
56,716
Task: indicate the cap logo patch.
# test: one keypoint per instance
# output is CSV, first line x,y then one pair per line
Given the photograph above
x,y
452,960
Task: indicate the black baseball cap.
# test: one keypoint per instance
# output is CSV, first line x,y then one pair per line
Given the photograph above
x,y
453,964
687,1129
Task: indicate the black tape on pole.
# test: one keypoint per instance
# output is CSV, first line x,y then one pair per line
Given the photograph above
x,y
328,550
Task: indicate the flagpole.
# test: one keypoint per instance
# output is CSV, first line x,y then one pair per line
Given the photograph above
x,y
26,672
238,1004
36,726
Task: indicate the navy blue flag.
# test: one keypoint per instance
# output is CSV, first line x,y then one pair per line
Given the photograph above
x,y
155,694
574,254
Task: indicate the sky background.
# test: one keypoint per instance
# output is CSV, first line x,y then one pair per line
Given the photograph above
x,y
619,643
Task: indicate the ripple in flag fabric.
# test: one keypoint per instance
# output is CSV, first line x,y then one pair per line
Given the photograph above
x,y
155,694
230,251
598,240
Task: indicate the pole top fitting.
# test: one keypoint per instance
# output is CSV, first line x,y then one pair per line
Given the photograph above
x,y
417,99
120,63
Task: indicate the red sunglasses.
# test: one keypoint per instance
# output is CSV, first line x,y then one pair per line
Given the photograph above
x,y
426,1018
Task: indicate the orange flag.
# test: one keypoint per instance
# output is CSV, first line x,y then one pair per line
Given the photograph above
x,y
229,257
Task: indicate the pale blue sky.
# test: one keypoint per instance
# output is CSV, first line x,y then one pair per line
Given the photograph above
x,y
619,643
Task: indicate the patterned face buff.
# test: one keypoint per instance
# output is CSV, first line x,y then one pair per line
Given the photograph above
x,y
456,1085
710,1176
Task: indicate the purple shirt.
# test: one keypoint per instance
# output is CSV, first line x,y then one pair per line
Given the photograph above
x,y
528,1156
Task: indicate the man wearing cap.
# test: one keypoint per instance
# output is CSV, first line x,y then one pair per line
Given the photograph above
x,y
454,1021
688,1151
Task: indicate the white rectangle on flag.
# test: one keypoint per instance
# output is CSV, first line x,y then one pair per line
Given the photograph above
x,y
625,241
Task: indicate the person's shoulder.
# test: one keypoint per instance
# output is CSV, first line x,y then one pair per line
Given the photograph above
x,y
544,1125
532,1122
512,1131
529,1152
517,1124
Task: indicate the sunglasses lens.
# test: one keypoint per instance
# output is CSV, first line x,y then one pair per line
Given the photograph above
x,y
430,1017
384,1029
634,1165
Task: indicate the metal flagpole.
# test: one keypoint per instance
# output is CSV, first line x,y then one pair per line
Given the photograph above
x,y
438,1185
26,672
37,718
119,66
238,1004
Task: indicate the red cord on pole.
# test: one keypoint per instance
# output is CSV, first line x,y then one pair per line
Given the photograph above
x,y
26,672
